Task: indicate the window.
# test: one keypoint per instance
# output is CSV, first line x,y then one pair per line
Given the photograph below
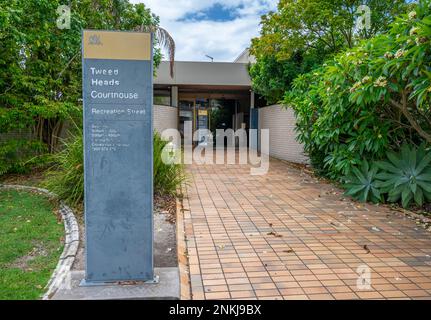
x,y
162,97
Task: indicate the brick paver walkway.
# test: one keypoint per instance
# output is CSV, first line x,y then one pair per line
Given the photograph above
x,y
284,236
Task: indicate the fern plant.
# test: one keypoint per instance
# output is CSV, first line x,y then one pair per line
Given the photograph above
x,y
362,183
407,175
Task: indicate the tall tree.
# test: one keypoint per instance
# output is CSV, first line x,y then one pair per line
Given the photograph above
x,y
306,32
40,64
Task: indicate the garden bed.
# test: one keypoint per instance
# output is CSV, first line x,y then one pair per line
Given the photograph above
x,y
420,214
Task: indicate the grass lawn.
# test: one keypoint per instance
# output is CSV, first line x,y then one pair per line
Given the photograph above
x,y
30,244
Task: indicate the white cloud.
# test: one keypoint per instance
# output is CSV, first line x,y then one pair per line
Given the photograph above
x,y
222,40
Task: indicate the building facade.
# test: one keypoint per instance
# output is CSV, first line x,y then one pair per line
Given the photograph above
x,y
219,95
213,95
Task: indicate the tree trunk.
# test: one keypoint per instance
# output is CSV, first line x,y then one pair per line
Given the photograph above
x,y
403,107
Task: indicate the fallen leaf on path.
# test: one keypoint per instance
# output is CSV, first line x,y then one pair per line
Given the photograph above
x,y
288,251
275,234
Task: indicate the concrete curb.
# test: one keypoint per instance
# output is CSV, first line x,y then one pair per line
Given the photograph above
x,y
71,242
183,261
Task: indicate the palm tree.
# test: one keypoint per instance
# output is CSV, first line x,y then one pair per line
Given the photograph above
x,y
164,39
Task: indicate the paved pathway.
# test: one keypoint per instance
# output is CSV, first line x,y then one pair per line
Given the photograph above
x,y
284,236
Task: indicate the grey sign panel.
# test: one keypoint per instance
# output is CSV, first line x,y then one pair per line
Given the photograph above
x,y
120,84
118,165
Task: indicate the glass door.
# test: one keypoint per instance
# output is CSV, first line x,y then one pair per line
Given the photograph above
x,y
202,118
186,113
196,110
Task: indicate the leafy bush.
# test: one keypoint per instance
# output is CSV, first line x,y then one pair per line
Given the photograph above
x,y
271,77
336,133
167,177
66,178
306,102
407,176
40,78
302,34
362,184
396,71
19,156
369,99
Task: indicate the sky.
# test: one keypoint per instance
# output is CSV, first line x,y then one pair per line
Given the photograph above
x,y
221,29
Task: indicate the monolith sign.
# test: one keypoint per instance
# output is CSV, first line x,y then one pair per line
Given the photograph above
x,y
118,156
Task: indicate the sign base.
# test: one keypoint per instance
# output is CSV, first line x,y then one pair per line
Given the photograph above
x,y
168,288
85,283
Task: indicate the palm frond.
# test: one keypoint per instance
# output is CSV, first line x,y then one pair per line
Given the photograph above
x,y
165,40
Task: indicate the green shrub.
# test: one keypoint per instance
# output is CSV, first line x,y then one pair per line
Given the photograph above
x,y
167,177
403,177
407,176
336,133
362,184
306,102
66,178
20,156
369,99
302,34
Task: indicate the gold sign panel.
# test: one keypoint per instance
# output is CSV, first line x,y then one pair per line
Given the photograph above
x,y
116,45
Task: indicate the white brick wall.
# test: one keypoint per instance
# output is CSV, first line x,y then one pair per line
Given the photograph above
x,y
165,117
281,124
